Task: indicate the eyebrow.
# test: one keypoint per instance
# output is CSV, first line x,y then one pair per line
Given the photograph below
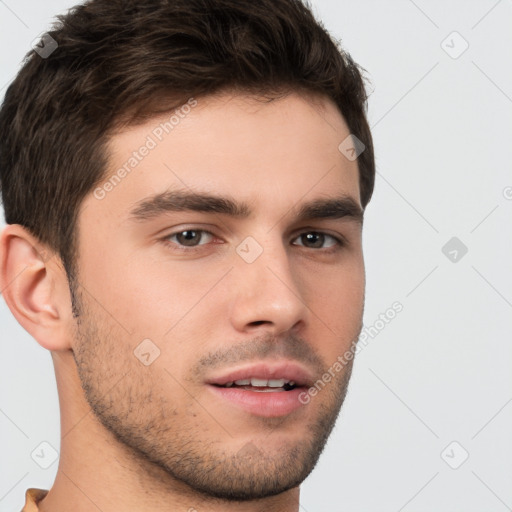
x,y
177,201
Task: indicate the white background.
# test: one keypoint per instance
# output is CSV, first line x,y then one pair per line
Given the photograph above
x,y
440,371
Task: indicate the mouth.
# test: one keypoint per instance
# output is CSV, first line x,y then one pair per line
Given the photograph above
x,y
263,389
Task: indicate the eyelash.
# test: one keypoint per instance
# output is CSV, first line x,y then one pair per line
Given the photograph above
x,y
339,242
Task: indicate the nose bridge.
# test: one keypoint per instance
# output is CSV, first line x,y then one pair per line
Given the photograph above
x,y
267,290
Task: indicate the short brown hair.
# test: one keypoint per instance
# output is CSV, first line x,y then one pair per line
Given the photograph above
x,y
126,60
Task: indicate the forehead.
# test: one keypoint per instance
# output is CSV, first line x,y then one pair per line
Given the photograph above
x,y
268,154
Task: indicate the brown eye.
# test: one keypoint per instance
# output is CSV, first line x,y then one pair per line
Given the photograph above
x,y
316,240
188,237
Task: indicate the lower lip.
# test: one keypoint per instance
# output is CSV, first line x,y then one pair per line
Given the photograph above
x,y
270,404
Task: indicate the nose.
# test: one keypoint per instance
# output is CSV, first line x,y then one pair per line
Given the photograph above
x,y
269,292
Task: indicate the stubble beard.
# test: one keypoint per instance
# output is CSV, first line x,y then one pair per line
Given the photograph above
x,y
161,446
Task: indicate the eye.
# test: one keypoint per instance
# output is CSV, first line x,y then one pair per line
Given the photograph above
x,y
316,240
188,237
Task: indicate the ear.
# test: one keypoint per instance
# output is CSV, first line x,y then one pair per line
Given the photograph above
x,y
35,287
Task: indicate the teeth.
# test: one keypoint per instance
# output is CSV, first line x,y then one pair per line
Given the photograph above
x,y
262,383
276,383
259,382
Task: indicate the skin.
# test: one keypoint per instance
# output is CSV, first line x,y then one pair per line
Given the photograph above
x,y
155,438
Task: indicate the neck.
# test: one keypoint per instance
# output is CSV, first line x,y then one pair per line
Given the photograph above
x,y
98,472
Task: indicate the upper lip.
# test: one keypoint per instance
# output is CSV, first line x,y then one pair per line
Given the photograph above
x,y
288,370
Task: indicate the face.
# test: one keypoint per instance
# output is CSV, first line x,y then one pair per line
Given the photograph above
x,y
219,277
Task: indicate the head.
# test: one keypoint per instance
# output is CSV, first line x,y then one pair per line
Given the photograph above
x,y
174,177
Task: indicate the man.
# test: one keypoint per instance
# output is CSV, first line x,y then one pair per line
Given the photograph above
x,y
184,185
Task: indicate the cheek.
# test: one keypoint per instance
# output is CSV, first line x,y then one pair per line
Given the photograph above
x,y
336,300
341,306
158,298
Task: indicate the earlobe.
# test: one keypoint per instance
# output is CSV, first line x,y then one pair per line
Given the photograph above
x,y
35,288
